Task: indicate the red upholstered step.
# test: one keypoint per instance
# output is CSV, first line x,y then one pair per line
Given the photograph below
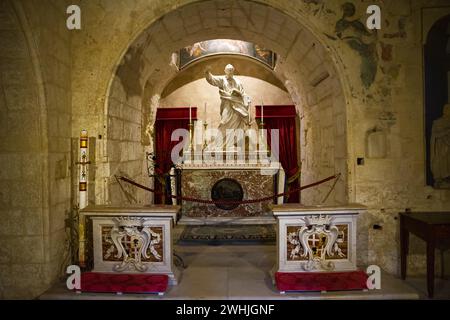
x,y
125,283
321,281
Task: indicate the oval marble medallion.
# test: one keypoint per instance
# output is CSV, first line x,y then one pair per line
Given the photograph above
x,y
228,190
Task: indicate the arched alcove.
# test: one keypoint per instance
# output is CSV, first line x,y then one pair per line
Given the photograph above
x,y
437,85
305,68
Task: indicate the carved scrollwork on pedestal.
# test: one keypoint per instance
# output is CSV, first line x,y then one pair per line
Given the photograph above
x,y
133,240
316,240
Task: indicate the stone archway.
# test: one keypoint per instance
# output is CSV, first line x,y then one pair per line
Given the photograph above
x,y
306,68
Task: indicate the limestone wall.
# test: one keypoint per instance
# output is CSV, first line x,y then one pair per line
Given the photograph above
x,y
125,152
35,118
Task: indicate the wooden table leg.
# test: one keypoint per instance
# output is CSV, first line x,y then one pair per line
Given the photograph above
x,y
404,244
430,267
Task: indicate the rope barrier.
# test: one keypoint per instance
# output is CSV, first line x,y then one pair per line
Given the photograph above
x,y
190,199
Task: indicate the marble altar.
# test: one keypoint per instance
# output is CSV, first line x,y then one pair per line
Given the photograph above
x,y
255,180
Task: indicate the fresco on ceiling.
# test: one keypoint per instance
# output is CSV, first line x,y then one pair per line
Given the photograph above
x,y
203,49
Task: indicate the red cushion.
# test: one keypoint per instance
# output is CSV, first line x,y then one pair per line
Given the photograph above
x,y
321,281
126,283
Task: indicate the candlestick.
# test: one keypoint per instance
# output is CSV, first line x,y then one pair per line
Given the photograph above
x,y
205,143
191,136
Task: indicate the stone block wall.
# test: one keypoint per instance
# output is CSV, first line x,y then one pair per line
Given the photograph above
x,y
126,154
35,108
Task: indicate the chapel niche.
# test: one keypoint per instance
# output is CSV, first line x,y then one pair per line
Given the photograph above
x,y
437,97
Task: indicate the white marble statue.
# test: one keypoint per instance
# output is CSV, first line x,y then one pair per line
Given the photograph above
x,y
234,107
440,149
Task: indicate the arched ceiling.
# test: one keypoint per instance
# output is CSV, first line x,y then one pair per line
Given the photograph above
x,y
243,65
303,61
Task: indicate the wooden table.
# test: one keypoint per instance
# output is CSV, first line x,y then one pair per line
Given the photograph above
x,y
433,228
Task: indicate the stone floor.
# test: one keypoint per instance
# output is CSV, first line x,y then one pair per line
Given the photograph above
x,y
441,287
243,272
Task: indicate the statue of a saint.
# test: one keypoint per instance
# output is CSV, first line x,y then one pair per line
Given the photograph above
x,y
440,150
234,107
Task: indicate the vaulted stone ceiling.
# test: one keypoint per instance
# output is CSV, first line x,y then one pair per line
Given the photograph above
x,y
302,57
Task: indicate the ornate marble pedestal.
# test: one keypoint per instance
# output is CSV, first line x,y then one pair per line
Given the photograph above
x,y
316,238
128,239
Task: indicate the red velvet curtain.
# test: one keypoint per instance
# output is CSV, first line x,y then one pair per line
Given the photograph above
x,y
283,119
167,121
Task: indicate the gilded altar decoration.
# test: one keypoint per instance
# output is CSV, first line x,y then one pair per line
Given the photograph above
x,y
132,243
317,242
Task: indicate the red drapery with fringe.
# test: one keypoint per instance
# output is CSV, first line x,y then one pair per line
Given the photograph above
x,y
282,117
167,121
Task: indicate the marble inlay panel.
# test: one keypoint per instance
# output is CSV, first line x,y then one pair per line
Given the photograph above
x,y
198,184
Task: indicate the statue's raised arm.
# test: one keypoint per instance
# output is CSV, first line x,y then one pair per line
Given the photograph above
x,y
216,81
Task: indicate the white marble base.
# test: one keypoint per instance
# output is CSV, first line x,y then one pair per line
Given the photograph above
x,y
316,239
120,234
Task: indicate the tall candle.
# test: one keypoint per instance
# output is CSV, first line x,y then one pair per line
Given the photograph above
x,y
190,115
262,111
84,157
205,111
